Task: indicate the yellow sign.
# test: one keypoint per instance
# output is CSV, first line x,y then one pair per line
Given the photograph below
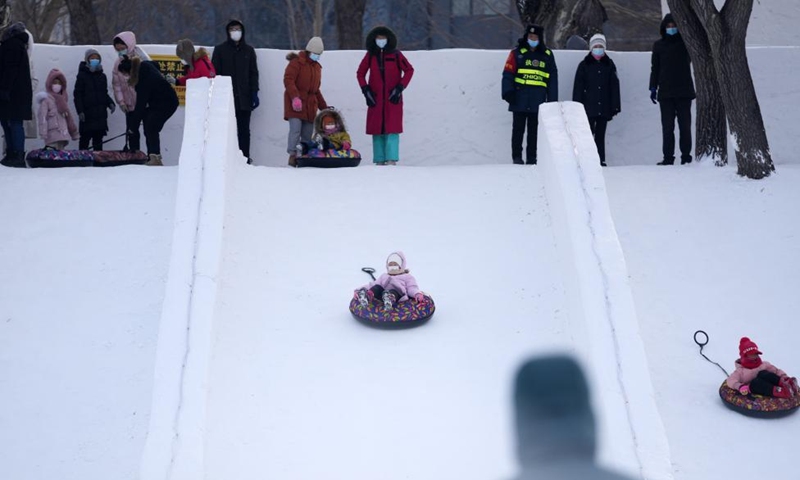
x,y
171,65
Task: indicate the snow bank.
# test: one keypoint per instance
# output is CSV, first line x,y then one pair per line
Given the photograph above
x,y
174,447
600,297
453,111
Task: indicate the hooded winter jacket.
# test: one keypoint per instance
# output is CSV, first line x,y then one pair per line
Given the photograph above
x,y
387,69
16,91
55,125
597,87
201,67
530,76
334,140
302,79
92,99
238,61
404,282
670,70
124,93
153,92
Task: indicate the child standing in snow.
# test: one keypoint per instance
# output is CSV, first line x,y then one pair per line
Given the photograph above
x,y
91,101
56,123
396,285
752,375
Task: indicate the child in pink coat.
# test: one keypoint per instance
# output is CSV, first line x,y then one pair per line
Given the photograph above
x,y
752,375
396,285
56,123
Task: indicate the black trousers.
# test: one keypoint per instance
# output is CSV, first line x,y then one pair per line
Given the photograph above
x,y
764,382
243,131
95,137
377,290
154,120
132,124
598,126
680,108
518,131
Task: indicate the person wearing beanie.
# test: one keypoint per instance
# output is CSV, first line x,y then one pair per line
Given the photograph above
x,y
302,97
555,425
383,75
672,87
597,88
753,375
396,285
16,92
56,122
92,101
236,59
125,95
196,63
530,78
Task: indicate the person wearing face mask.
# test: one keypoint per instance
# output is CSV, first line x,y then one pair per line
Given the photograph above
x,y
530,78
330,133
236,59
383,75
302,97
125,95
196,63
672,87
56,123
597,88
92,101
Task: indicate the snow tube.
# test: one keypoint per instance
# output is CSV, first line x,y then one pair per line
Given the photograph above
x,y
329,158
758,405
50,158
405,315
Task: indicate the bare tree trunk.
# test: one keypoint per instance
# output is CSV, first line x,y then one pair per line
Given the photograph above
x,y
318,18
727,30
711,135
83,22
349,21
563,18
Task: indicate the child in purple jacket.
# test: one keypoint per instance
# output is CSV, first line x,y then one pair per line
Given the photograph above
x,y
397,285
759,377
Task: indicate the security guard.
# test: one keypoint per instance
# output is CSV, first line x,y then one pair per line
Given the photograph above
x,y
530,78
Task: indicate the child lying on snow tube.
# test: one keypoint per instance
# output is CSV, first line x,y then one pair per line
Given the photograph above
x,y
752,375
330,137
397,285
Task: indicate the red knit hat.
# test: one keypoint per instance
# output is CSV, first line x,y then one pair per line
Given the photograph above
x,y
747,346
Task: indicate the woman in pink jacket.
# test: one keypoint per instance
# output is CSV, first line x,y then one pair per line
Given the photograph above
x,y
124,93
56,123
396,285
752,375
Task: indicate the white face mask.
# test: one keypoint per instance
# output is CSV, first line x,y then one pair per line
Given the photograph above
x,y
381,42
393,268
184,62
56,88
236,35
329,127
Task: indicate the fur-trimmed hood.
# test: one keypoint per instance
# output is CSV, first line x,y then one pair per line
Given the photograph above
x,y
337,116
391,39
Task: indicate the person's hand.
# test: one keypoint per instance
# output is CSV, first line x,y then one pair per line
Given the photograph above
x,y
297,104
744,390
346,145
653,93
112,106
256,102
397,92
82,117
124,108
369,95
420,298
171,79
510,96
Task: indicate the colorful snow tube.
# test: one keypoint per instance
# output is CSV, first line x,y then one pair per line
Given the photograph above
x,y
758,405
405,315
329,158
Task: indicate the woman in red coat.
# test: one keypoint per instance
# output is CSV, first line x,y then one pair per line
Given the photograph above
x,y
196,63
389,74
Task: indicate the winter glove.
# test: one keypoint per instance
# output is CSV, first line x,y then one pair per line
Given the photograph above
x,y
82,117
257,102
744,390
420,298
509,96
653,95
124,108
112,106
297,104
346,145
171,79
397,92
369,96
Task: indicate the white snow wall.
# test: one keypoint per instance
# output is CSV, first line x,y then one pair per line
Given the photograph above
x,y
175,442
599,295
453,111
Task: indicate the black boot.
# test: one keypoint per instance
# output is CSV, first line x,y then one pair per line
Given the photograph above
x,y
517,161
15,159
686,159
667,161
530,161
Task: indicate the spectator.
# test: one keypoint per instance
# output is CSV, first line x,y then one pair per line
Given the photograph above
x,y
302,97
16,93
124,92
56,123
91,101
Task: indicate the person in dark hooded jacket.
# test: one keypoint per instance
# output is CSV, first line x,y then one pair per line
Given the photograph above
x,y
554,421
530,78
92,101
672,87
16,92
156,102
236,59
597,88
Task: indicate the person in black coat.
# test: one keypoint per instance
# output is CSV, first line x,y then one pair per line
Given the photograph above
x,y
91,101
236,59
597,88
530,78
16,93
156,102
671,85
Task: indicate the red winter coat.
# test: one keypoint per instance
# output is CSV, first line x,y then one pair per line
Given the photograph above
x,y
385,117
201,67
302,79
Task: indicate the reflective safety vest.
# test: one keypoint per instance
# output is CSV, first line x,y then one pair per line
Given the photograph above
x,y
532,72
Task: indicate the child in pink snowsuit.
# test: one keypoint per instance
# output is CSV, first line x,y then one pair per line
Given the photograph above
x,y
759,377
56,123
397,285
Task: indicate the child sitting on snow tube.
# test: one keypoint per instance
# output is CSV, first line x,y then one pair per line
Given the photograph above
x,y
330,136
752,375
397,285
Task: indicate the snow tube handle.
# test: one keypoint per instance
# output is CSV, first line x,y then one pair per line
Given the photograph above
x,y
702,344
370,271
